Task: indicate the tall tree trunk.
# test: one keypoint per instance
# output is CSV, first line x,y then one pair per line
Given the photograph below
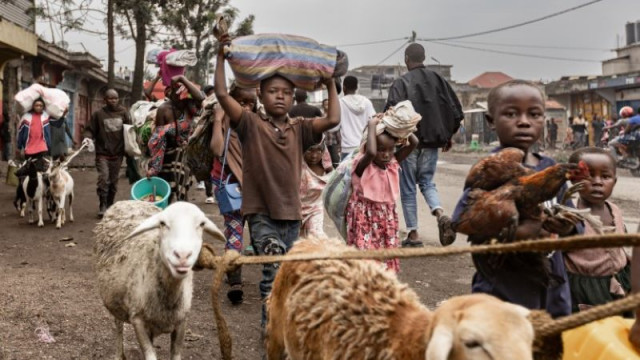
x,y
141,42
111,61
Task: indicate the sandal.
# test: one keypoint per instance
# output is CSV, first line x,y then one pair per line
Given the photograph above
x,y
445,228
235,294
408,243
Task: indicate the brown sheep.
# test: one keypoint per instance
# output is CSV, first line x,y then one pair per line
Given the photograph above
x,y
354,309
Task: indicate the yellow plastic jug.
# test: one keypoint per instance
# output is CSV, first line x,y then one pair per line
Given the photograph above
x,y
605,339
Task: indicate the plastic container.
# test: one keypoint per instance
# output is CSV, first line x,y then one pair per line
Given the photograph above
x,y
605,339
12,179
144,187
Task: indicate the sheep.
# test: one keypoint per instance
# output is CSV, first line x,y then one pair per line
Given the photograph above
x,y
145,277
355,309
60,188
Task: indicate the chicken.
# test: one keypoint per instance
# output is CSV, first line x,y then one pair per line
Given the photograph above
x,y
496,170
496,213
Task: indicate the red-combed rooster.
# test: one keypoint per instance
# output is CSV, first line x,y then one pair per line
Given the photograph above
x,y
504,192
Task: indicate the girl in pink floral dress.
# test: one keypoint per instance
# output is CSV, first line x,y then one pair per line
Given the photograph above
x,y
372,219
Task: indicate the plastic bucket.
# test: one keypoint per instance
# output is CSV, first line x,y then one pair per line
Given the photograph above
x,y
144,187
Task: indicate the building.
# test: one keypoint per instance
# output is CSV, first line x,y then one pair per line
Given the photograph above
x,y
604,95
17,41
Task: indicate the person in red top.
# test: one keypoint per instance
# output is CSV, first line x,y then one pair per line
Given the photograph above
x,y
33,135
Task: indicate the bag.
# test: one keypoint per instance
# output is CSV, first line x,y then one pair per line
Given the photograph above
x,y
27,96
56,102
337,192
199,155
229,196
131,147
301,60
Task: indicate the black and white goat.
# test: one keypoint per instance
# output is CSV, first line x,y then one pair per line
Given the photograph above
x,y
31,190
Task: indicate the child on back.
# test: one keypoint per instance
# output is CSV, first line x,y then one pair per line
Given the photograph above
x,y
516,113
598,276
372,219
272,152
316,169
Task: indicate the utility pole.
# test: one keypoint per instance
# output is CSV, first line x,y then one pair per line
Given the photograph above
x,y
412,39
111,46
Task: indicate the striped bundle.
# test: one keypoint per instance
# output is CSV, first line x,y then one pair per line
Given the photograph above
x,y
301,60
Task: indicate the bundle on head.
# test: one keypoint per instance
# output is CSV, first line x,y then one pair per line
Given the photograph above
x,y
354,309
144,261
400,121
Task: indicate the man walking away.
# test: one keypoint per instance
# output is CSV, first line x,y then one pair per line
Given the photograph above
x,y
355,112
106,130
434,99
302,108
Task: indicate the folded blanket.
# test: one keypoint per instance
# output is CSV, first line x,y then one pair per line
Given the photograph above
x,y
182,58
301,60
399,121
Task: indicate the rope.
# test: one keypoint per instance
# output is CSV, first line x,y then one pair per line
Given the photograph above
x,y
542,245
547,330
613,308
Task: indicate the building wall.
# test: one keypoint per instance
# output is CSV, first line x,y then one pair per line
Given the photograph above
x,y
616,66
622,64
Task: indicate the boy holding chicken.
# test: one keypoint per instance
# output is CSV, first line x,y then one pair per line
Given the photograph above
x,y
516,112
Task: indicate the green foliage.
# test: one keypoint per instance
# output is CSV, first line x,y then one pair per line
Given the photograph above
x,y
192,21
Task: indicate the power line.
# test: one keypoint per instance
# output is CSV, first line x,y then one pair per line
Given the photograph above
x,y
533,46
514,25
514,53
373,42
393,53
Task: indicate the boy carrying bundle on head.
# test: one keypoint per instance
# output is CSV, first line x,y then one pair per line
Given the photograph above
x,y
273,145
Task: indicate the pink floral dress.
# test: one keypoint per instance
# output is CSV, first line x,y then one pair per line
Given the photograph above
x,y
372,219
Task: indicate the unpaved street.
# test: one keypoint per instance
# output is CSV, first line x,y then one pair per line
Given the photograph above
x,y
45,283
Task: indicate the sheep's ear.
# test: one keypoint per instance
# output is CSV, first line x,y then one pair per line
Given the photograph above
x,y
441,343
149,224
213,230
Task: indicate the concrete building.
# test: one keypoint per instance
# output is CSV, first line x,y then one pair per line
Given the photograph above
x,y
17,41
604,95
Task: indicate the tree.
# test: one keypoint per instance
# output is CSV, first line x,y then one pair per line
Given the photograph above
x,y
137,18
192,22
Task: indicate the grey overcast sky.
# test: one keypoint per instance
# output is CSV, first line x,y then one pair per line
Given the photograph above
x,y
585,35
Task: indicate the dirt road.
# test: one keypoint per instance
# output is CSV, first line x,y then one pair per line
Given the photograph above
x,y
45,283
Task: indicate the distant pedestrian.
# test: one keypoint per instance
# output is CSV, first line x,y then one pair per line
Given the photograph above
x,y
5,134
598,125
332,138
355,112
302,108
59,132
105,128
579,128
434,99
552,128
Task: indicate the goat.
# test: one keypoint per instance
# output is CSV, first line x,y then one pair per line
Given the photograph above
x,y
355,309
33,190
60,188
144,259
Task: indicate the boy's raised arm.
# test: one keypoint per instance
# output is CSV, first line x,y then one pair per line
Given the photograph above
x,y
230,106
332,118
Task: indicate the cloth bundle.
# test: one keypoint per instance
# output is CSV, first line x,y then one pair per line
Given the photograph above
x,y
182,58
198,154
399,121
301,60
56,101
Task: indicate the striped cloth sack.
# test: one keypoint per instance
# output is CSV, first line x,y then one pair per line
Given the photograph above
x,y
301,60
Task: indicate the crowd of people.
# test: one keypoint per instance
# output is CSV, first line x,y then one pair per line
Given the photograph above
x,y
281,156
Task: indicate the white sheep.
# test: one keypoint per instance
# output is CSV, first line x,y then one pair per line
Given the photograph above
x,y
144,260
60,188
354,309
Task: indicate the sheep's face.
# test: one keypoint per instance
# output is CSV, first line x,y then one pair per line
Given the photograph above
x,y
479,327
181,226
